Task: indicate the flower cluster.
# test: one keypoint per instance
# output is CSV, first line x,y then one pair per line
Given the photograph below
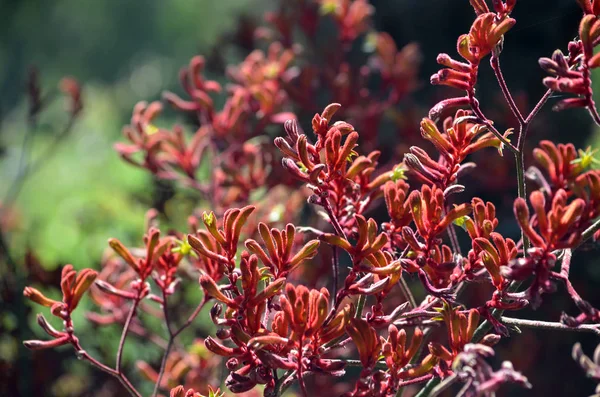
x,y
73,287
571,74
485,36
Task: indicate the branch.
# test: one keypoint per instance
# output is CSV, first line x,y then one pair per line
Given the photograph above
x,y
593,328
495,64
442,386
408,295
163,363
26,170
425,392
172,336
82,354
119,359
589,233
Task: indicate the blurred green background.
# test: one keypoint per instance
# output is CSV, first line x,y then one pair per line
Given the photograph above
x,y
82,193
124,51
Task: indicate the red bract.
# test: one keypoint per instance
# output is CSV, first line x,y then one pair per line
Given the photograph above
x,y
154,250
462,137
279,244
226,238
461,328
572,74
557,229
398,353
343,182
73,287
485,35
196,87
144,137
398,208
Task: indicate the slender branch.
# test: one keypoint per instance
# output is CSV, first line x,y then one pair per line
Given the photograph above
x,y
589,233
172,336
163,363
495,64
424,392
360,304
408,295
84,355
485,326
593,328
444,385
536,109
523,129
119,359
521,188
32,167
565,269
335,265
334,221
477,111
335,260
284,382
415,381
190,319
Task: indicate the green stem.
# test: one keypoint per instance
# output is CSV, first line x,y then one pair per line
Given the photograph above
x,y
426,391
522,191
360,305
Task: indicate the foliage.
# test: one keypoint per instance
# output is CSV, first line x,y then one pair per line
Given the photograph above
x,y
260,271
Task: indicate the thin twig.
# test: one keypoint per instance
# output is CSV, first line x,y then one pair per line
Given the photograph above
x,y
119,359
34,166
593,328
495,63
335,265
172,336
163,363
408,295
424,392
190,319
589,233
444,385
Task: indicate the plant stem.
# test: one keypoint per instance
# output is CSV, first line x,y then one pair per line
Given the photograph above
x,y
425,392
445,384
335,265
172,336
521,190
284,382
485,326
84,355
335,260
589,232
495,64
408,295
163,363
191,318
119,359
593,328
360,304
